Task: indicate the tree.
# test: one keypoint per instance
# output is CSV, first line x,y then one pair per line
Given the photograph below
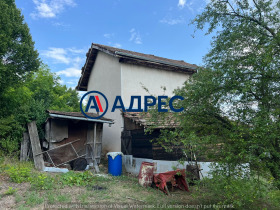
x,y
40,92
233,102
27,89
17,54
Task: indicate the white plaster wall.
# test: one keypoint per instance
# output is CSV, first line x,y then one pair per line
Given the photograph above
x,y
132,165
133,77
113,78
106,78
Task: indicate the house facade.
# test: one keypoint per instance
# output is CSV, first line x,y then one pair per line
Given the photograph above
x,y
118,72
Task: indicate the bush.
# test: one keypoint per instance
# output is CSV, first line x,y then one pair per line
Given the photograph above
x,y
18,174
77,178
41,182
240,192
10,135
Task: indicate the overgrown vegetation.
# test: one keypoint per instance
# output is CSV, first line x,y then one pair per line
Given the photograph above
x,y
231,106
24,172
240,191
27,87
85,187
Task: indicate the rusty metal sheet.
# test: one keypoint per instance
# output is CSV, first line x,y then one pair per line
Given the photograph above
x,y
145,177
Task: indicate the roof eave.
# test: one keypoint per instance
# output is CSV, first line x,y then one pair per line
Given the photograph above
x,y
80,118
121,55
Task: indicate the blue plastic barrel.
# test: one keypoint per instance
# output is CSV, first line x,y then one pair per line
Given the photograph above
x,y
115,163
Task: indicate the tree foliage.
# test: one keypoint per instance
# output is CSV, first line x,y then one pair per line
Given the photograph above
x,y
232,105
17,54
41,91
27,87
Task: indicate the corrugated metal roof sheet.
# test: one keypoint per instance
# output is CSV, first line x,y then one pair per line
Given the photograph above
x,y
144,119
77,115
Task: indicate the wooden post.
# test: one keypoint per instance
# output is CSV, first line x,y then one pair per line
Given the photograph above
x,y
36,147
94,140
89,144
24,147
95,150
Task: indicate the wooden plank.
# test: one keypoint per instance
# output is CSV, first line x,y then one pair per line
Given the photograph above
x,y
99,141
89,143
95,149
94,140
36,147
96,166
63,145
25,143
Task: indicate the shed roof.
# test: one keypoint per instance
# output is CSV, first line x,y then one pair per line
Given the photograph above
x,y
78,116
144,119
136,58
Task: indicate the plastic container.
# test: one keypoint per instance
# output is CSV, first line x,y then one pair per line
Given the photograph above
x,y
115,163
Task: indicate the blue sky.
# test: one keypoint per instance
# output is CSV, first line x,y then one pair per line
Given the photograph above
x,y
63,30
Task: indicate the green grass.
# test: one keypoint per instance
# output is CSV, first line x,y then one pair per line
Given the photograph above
x,y
33,199
18,198
51,197
51,188
84,197
22,207
10,191
64,198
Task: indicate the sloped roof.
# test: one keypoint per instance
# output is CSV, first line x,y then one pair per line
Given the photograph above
x,y
78,115
144,119
136,58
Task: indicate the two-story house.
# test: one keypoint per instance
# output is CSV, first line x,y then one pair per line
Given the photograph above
x,y
118,72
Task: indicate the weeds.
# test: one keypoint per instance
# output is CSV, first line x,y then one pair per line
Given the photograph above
x,y
78,179
64,198
42,182
18,198
33,199
83,197
18,174
10,191
51,197
241,193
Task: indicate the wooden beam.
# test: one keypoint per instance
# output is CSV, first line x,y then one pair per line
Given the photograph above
x,y
95,150
24,147
36,147
89,143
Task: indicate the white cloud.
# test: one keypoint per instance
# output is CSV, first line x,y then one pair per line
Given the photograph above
x,y
108,36
59,55
71,83
117,45
76,51
61,25
77,60
70,72
66,56
135,36
181,3
60,81
50,8
172,21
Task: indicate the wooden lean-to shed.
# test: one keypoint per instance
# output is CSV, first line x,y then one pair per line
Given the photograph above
x,y
139,144
70,135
